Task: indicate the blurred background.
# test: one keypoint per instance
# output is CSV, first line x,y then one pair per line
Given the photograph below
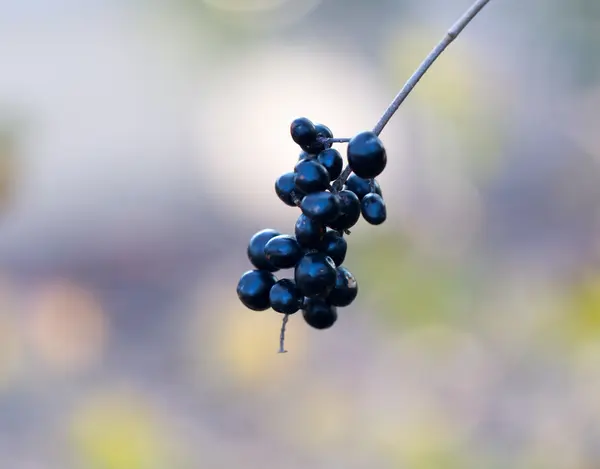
x,y
139,144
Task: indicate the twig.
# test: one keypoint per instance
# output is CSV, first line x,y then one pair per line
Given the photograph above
x,y
282,335
452,34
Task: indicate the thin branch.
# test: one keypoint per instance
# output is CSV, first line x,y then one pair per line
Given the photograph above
x,y
452,33
282,335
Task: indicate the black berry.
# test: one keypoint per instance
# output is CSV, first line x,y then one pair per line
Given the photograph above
x,y
309,233
256,249
285,297
311,176
362,187
319,314
303,131
315,274
335,246
322,132
373,209
284,186
254,287
345,290
306,156
366,155
283,251
349,211
321,206
331,159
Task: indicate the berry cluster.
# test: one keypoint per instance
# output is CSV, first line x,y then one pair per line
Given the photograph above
x,y
332,200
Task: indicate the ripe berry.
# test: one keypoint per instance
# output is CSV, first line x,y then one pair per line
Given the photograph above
x,y
309,232
315,274
256,250
366,155
284,186
334,246
303,131
283,251
349,211
362,187
322,132
373,209
306,156
254,287
311,176
319,314
345,290
321,206
285,297
332,161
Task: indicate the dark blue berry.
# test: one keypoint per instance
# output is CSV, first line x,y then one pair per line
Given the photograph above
x,y
315,274
332,161
345,290
306,156
283,251
311,176
366,155
319,314
349,211
322,132
362,187
285,297
373,209
284,186
334,245
323,207
254,287
256,249
303,131
309,232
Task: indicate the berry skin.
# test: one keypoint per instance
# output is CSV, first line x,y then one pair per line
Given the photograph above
x,y
315,274
321,206
346,288
284,186
334,246
332,161
283,251
373,209
285,297
309,233
254,287
322,132
311,176
362,187
319,314
256,250
303,131
306,156
349,211
366,155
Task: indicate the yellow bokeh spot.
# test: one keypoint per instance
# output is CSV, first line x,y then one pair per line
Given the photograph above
x,y
118,432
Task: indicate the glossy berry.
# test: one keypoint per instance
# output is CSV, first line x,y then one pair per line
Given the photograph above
x,y
309,233
311,176
283,251
345,290
366,155
285,297
373,209
319,314
306,156
332,161
321,206
362,187
349,211
256,250
335,246
284,186
254,287
303,131
315,274
322,132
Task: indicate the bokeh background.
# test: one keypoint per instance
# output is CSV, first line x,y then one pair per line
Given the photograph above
x,y
139,143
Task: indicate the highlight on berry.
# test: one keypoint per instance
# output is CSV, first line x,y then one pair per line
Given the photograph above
x,y
331,199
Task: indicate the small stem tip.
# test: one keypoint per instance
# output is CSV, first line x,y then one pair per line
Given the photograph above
x,y
282,335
